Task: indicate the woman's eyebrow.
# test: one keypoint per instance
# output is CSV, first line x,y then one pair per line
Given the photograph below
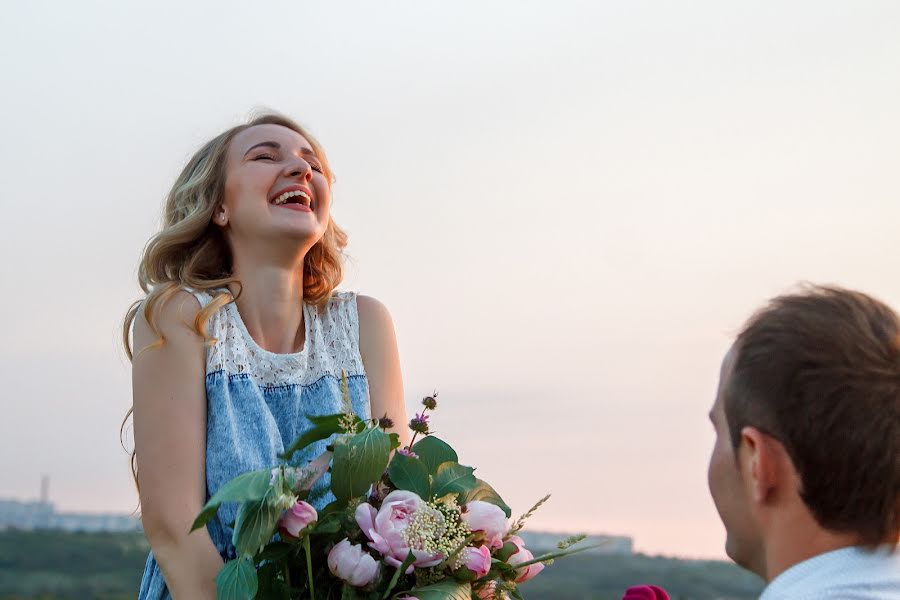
x,y
277,146
274,145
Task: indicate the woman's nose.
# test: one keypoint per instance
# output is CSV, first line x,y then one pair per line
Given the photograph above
x,y
299,168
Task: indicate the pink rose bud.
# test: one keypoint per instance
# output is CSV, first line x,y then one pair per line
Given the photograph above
x,y
523,555
645,592
477,560
488,519
297,518
350,563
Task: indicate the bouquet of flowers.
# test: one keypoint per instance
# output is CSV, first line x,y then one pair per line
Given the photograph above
x,y
410,523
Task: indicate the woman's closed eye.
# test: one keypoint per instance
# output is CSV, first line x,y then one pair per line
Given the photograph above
x,y
313,164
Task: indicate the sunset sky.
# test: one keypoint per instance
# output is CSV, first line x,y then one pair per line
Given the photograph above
x,y
569,208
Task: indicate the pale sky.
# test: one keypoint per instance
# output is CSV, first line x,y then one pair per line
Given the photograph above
x,y
568,207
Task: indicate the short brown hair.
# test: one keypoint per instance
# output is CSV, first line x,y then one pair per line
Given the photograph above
x,y
819,371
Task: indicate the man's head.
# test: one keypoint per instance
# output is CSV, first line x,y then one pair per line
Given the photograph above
x,y
807,418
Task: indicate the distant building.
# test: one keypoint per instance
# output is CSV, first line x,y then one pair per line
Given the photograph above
x,y
15,514
544,541
25,515
41,514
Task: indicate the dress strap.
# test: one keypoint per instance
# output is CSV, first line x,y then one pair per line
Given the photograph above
x,y
202,297
345,304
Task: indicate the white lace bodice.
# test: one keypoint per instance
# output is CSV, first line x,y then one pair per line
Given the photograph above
x,y
331,345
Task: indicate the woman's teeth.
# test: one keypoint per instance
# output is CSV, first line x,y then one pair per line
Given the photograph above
x,y
304,198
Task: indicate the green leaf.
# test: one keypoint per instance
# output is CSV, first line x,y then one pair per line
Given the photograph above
x,y
254,526
484,492
330,524
559,554
448,589
237,581
348,592
433,452
410,474
333,518
359,462
410,559
501,569
271,587
465,574
453,478
324,426
506,551
245,487
275,551
332,508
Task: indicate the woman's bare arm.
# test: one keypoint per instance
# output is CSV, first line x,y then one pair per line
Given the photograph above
x,y
381,359
170,441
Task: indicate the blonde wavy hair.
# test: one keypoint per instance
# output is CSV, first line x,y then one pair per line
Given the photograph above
x,y
191,251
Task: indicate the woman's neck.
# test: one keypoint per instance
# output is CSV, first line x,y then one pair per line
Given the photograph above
x,y
271,306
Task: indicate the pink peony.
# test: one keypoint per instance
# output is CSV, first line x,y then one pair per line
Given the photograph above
x,y
645,592
386,528
521,556
488,519
352,564
297,518
477,560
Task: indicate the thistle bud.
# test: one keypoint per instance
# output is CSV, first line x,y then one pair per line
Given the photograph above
x,y
419,424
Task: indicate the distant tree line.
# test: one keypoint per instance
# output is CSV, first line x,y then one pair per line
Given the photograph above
x,y
45,565
593,577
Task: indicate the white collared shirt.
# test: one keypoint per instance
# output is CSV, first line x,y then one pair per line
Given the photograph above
x,y
847,574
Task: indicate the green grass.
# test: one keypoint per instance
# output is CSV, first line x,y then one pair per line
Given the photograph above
x,y
108,566
51,564
598,577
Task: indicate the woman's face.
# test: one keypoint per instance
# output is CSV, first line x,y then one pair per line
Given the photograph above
x,y
275,189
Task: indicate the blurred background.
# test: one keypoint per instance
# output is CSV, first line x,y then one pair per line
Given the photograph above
x,y
569,208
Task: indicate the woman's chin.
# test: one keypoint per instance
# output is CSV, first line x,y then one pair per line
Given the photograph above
x,y
306,235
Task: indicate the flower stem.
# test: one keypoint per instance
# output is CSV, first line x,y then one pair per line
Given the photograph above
x,y
553,555
309,574
416,433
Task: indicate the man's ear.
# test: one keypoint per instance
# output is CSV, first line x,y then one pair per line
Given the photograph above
x,y
760,456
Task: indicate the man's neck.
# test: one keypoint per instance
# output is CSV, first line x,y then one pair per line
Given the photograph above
x,y
793,545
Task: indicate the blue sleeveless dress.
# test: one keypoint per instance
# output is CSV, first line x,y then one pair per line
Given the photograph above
x,y
258,402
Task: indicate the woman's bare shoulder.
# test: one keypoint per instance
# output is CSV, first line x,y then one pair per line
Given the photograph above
x,y
371,311
376,328
174,319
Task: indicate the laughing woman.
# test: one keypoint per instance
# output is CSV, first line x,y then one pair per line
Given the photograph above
x,y
240,337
